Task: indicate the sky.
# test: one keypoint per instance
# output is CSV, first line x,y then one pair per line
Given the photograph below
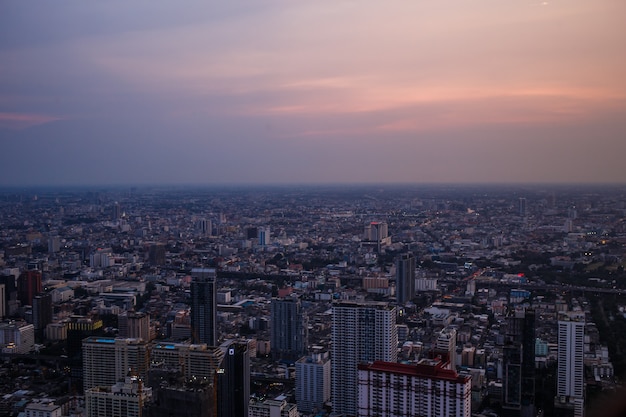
x,y
327,91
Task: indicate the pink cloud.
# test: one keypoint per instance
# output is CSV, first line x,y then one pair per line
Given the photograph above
x,y
24,120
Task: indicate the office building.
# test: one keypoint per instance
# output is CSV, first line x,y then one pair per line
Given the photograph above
x,y
288,328
233,380
42,315
28,286
204,227
428,389
127,398
54,244
203,306
361,332
264,236
405,278
107,360
313,382
522,207
570,356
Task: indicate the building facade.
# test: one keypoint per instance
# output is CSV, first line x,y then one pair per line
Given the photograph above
x,y
427,389
570,368
108,360
288,328
123,399
203,306
312,382
233,381
405,278
361,332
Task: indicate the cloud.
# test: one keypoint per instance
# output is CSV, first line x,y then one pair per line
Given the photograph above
x,y
24,120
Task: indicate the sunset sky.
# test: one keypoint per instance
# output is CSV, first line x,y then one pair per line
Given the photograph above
x,y
326,91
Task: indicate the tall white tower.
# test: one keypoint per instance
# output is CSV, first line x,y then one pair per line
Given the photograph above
x,y
570,375
362,332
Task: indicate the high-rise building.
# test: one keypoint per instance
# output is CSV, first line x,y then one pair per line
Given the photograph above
x,y
288,328
28,286
127,398
3,302
405,278
313,382
264,236
106,360
428,389
203,306
570,369
42,314
522,207
194,362
54,244
116,211
361,332
233,381
445,347
134,325
204,227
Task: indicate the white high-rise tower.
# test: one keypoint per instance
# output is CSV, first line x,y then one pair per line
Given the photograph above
x,y
571,375
362,332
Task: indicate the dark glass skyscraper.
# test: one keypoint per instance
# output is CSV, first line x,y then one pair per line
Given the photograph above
x,y
233,381
203,306
405,278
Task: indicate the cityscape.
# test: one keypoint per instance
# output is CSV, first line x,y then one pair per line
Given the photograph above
x,y
327,300
328,208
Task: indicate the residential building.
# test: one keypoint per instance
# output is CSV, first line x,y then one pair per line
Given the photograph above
x,y
361,332
313,382
428,389
570,370
127,398
107,360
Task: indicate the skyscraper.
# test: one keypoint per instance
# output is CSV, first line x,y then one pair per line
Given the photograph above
x,y
264,236
519,364
28,286
288,328
203,306
361,332
233,381
405,278
42,314
570,372
522,207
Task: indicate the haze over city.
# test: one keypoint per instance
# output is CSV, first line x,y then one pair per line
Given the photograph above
x,y
312,92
